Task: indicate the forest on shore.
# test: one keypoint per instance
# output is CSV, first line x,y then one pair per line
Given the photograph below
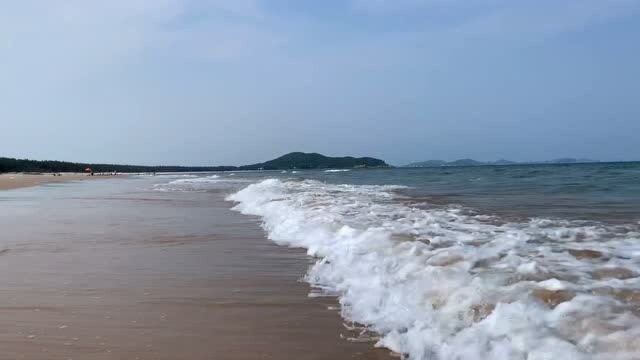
x,y
295,160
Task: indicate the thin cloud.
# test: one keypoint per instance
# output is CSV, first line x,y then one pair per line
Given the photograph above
x,y
501,17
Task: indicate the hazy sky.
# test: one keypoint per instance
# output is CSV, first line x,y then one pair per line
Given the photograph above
x,y
242,81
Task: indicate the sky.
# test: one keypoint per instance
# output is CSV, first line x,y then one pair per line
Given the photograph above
x,y
228,82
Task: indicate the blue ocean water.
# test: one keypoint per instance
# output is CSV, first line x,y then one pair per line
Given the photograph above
x,y
598,191
462,263
602,191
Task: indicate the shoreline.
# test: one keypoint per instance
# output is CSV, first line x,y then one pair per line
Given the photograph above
x,y
124,272
10,181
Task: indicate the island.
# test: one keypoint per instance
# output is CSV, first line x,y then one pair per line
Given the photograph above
x,y
300,160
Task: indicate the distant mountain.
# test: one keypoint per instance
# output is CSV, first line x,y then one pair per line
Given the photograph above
x,y
300,160
503,162
471,162
464,162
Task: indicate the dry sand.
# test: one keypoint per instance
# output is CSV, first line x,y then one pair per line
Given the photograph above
x,y
14,181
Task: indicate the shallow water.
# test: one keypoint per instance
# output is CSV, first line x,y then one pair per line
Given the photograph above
x,y
503,262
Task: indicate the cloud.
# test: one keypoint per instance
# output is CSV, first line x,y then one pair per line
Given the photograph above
x,y
72,39
545,17
64,38
498,17
243,8
221,30
75,38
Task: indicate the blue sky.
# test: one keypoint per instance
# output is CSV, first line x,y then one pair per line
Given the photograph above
x,y
241,81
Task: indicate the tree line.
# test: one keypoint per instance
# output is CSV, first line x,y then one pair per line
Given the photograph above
x,y
294,160
26,165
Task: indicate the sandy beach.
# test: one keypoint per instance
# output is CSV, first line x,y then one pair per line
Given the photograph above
x,y
14,181
112,270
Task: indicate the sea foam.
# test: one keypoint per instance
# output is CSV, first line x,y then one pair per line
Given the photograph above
x,y
190,183
194,180
437,283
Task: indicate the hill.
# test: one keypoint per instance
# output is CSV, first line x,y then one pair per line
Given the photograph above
x,y
300,160
464,162
295,160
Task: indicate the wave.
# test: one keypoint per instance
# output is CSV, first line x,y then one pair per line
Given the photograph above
x,y
175,176
188,184
196,180
165,175
202,184
442,283
337,170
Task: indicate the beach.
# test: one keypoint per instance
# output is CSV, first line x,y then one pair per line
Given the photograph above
x,y
111,269
533,261
14,181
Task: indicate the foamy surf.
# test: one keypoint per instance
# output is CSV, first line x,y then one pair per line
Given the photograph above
x,y
191,183
194,180
438,283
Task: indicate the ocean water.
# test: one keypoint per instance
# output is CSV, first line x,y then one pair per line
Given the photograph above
x,y
499,262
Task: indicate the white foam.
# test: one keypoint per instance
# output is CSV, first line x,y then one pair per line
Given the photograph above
x,y
337,170
438,284
188,184
553,284
175,176
206,179
528,268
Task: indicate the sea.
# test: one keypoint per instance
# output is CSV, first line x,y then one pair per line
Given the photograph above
x,y
510,262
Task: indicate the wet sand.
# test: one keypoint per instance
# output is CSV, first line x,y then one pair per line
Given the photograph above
x,y
110,270
14,181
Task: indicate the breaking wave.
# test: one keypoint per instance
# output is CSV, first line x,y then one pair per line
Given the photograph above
x,y
444,283
188,184
196,180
